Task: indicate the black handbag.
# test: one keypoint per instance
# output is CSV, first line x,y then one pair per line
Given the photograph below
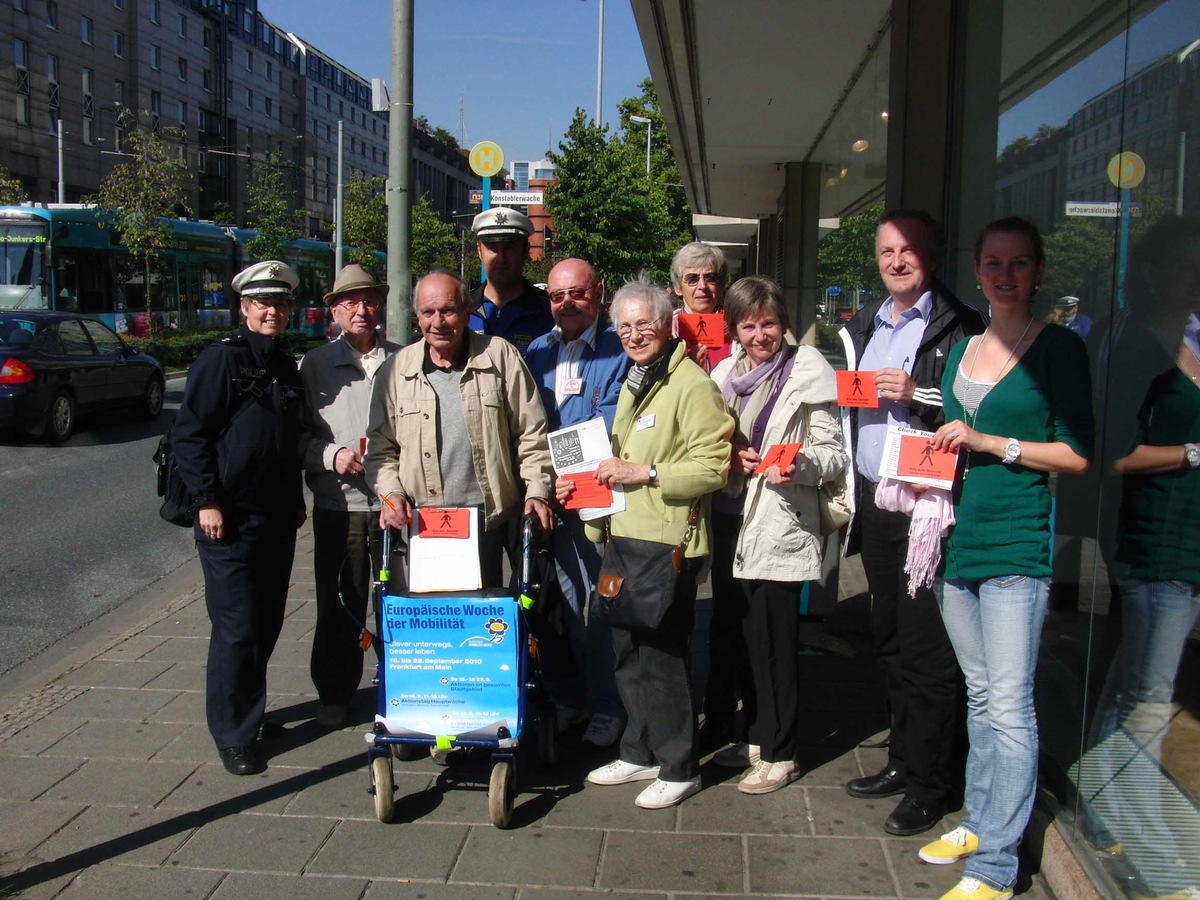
x,y
637,579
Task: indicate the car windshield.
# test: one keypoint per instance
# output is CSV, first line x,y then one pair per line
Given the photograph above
x,y
18,331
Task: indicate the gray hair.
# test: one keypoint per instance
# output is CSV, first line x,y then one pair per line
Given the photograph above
x,y
696,255
753,296
464,295
642,288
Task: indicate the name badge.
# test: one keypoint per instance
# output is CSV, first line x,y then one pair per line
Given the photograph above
x,y
573,387
646,421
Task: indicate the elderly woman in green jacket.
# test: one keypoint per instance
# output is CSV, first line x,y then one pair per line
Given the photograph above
x,y
671,446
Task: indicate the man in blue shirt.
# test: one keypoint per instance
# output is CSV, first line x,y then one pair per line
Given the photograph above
x,y
579,367
507,304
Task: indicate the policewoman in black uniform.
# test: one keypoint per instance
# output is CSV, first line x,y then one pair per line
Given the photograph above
x,y
238,442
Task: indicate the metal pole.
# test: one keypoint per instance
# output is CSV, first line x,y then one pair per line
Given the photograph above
x,y
1179,173
338,208
648,129
600,71
62,181
399,308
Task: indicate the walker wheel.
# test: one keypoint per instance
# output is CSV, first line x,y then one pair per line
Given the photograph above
x,y
385,788
500,795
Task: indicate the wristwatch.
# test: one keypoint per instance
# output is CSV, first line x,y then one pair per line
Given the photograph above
x,y
652,475
1191,453
1012,451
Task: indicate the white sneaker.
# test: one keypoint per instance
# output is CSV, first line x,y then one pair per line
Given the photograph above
x,y
620,772
662,794
738,756
603,730
769,776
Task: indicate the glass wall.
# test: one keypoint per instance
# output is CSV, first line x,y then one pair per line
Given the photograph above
x,y
1098,142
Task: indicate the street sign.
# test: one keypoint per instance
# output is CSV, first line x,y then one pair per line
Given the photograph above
x,y
486,159
1126,170
834,290
1102,209
476,198
518,198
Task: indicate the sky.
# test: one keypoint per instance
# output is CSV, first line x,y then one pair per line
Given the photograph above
x,y
517,69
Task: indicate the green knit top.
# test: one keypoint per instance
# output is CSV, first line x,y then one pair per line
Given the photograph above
x,y
1002,512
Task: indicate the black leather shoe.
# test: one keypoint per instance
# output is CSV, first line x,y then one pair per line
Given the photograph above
x,y
887,783
241,761
270,730
910,817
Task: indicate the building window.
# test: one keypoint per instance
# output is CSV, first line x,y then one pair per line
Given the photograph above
x,y
182,110
182,69
182,25
119,4
207,37
119,93
20,5
89,132
156,11
22,109
88,80
267,107
202,120
52,68
118,45
85,30
155,57
155,102
52,14
206,80
21,53
249,61
249,99
269,72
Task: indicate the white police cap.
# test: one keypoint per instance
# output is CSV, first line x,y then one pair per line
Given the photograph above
x,y
501,224
270,278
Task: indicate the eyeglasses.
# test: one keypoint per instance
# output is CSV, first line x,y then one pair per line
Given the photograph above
x,y
575,294
370,303
643,327
270,304
691,279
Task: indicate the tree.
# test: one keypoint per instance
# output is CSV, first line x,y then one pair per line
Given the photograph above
x,y
846,256
11,190
445,137
270,211
365,223
664,169
138,193
435,244
604,207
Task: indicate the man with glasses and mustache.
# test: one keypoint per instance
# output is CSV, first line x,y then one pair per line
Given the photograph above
x,y
579,367
339,377
239,441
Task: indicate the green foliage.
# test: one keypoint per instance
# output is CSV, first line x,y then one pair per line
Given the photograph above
x,y
143,189
445,137
538,270
664,169
270,211
11,190
180,348
846,256
605,209
434,243
365,226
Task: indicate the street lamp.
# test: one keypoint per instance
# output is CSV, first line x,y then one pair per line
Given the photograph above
x,y
642,120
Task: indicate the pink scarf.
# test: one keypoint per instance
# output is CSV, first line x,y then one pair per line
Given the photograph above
x,y
932,515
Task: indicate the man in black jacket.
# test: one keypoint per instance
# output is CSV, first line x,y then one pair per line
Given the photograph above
x,y
905,341
238,443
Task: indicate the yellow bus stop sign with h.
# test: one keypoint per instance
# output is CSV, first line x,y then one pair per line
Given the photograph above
x,y
1126,170
486,159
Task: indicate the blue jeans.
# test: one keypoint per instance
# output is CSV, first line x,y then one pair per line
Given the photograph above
x,y
995,627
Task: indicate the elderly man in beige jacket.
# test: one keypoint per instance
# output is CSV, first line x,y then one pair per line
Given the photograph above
x,y
456,421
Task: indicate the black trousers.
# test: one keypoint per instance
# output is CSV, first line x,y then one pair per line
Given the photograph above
x,y
771,634
729,672
921,675
654,679
246,579
342,567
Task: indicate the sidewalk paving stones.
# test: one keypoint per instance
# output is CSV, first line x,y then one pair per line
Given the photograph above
x,y
111,790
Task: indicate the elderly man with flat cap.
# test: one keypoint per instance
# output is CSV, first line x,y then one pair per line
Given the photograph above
x,y
339,377
507,304
239,442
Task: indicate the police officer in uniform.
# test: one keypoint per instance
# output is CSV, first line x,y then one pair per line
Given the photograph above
x,y
508,304
238,439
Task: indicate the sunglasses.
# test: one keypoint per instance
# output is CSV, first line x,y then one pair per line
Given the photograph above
x,y
691,279
575,294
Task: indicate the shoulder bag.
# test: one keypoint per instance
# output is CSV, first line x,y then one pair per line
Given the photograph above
x,y
637,579
833,497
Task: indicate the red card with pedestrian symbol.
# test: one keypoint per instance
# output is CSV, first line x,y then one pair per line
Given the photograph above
x,y
857,388
588,492
778,455
920,459
705,329
436,522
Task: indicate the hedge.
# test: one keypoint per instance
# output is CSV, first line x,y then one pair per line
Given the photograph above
x,y
175,348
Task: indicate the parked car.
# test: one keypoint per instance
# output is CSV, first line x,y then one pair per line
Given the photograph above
x,y
54,365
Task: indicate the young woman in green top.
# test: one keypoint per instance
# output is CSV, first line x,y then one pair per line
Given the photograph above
x,y
1018,407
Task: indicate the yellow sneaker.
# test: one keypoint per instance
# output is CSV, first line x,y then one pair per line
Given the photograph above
x,y
974,889
950,848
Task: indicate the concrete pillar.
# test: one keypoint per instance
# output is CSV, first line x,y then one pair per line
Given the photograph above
x,y
943,103
802,199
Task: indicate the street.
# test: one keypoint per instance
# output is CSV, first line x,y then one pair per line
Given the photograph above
x,y
80,528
